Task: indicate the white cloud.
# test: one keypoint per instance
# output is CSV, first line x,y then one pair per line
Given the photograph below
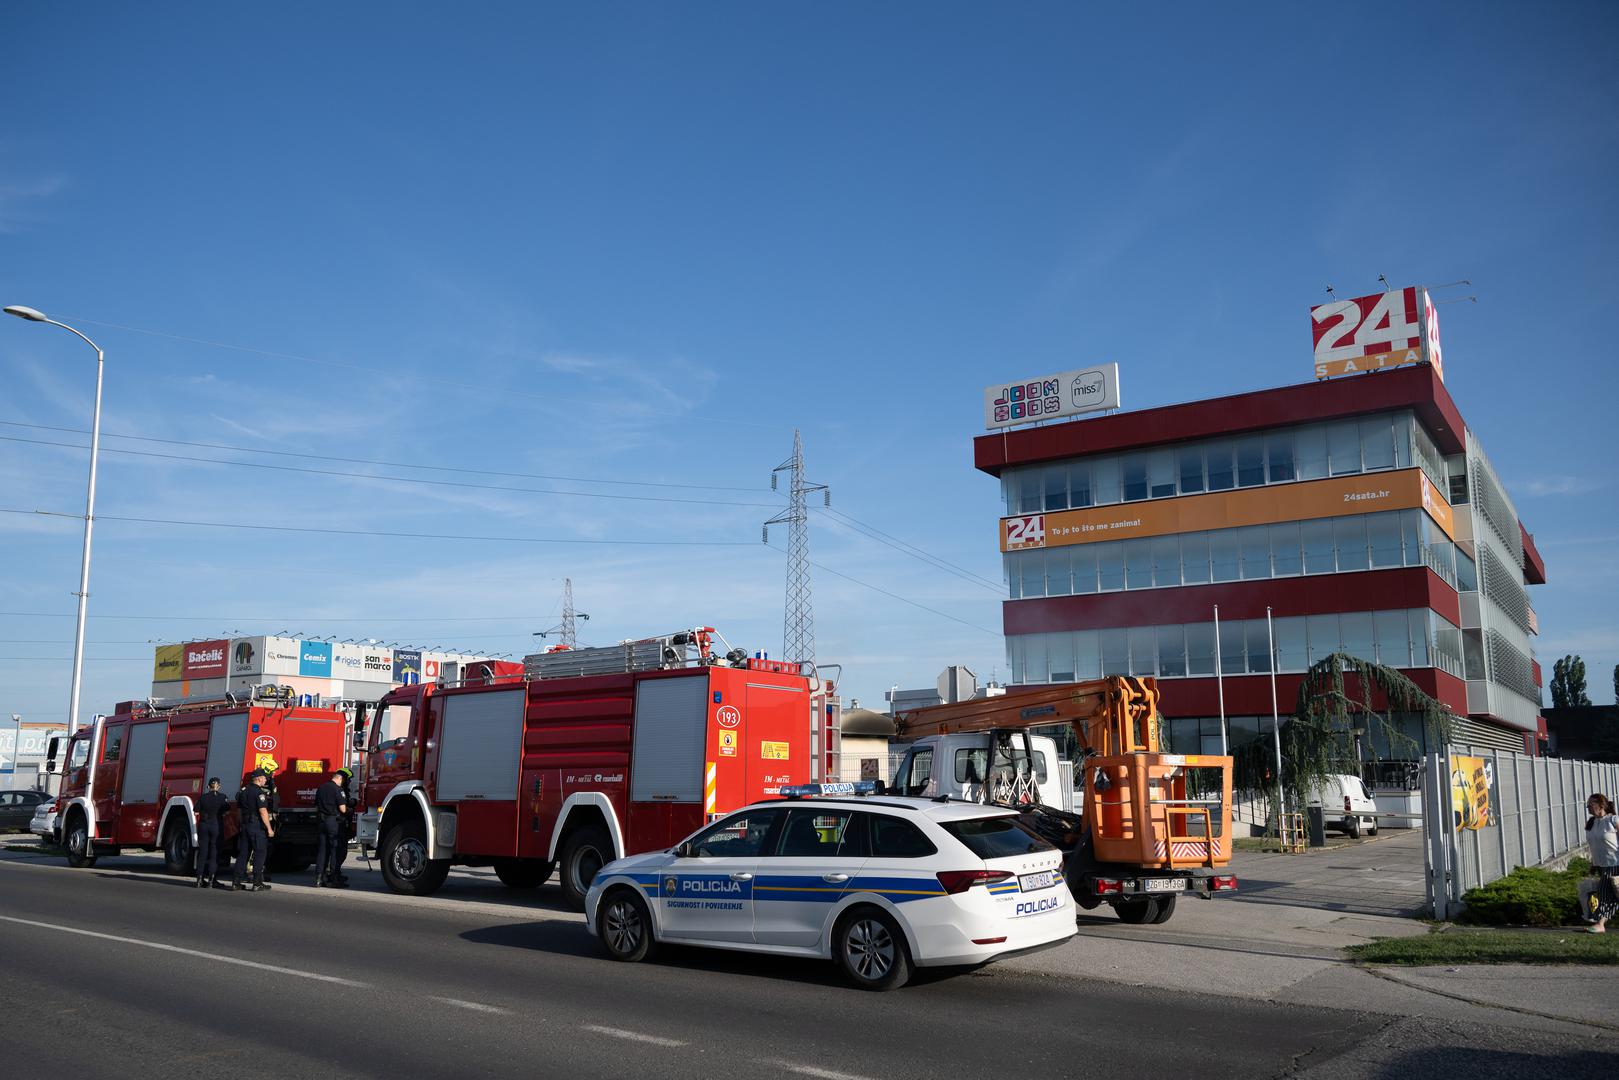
x,y
18,198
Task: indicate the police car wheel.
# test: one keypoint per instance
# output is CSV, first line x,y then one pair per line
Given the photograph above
x,y
870,948
624,926
1143,910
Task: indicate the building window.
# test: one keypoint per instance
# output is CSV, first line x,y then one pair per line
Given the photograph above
x,y
1377,442
1253,542
1221,475
1323,636
1279,449
1115,652
1466,572
1233,648
1224,555
1171,650
1105,481
1356,628
1251,461
1191,469
1318,554
1060,656
1418,623
1292,651
1088,654
1143,651
1161,474
1195,558
1083,558
1258,634
1057,487
1034,573
1166,561
1343,447
1310,452
1079,484
1034,658
1393,638
1030,498
1135,477
1138,564
1350,536
1110,565
1200,649
1286,560
1058,583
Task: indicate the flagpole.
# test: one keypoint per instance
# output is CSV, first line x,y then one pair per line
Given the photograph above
x,y
1276,721
1219,681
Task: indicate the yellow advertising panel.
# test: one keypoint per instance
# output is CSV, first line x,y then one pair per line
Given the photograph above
x,y
166,664
1336,497
1470,792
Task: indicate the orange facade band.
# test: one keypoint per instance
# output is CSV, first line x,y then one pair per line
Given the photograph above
x,y
1336,497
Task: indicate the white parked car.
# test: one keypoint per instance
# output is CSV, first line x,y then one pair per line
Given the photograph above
x,y
1346,805
43,824
877,884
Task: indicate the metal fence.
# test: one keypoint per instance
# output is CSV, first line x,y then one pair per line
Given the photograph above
x,y
1534,811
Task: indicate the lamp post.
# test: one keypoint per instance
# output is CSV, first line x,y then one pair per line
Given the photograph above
x,y
89,510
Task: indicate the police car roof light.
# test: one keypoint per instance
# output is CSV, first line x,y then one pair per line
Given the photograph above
x,y
858,787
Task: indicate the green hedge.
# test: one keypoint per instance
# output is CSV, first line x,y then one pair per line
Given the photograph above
x,y
1529,896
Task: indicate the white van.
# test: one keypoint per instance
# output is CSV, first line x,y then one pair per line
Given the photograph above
x,y
1346,805
966,766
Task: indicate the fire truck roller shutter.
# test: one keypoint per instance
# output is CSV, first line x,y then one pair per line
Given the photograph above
x,y
481,747
667,756
143,768
227,747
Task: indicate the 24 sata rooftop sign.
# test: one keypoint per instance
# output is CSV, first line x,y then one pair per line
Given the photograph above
x,y
1370,332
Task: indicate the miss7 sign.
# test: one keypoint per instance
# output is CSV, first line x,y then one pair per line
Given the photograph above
x,y
1370,332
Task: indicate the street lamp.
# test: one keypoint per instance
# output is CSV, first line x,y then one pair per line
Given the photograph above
x,y
89,509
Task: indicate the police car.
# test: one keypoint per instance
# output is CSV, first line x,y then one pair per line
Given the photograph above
x,y
877,884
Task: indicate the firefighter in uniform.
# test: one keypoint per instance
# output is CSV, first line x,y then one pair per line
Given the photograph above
x,y
331,810
254,839
210,814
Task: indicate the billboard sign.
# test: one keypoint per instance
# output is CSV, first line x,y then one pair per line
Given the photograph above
x,y
280,656
246,656
407,666
315,659
348,661
167,663
1369,333
1471,781
204,660
1051,397
1341,496
377,665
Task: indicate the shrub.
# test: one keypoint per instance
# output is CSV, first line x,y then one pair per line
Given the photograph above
x,y
1529,896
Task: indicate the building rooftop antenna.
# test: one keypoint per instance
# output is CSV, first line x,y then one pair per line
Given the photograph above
x,y
798,622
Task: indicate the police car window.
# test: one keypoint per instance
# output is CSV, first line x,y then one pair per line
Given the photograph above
x,y
740,836
810,833
996,837
896,838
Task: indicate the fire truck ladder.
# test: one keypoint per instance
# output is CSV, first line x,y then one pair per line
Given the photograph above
x,y
683,648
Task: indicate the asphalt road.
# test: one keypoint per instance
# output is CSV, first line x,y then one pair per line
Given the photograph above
x,y
121,970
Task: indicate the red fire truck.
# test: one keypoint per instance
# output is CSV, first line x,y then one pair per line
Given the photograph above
x,y
132,779
586,756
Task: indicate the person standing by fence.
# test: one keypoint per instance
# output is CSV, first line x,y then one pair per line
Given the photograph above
x,y
1602,837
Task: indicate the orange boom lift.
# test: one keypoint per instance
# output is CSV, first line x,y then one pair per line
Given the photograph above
x,y
1153,824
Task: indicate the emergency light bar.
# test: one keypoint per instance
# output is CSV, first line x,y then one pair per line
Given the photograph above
x,y
857,787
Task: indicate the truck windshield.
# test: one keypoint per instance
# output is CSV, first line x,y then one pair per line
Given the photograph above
x,y
996,837
80,753
391,723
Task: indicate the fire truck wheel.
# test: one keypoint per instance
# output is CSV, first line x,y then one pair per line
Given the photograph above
x,y
870,948
1166,908
523,873
624,926
1143,910
77,842
405,865
585,851
177,851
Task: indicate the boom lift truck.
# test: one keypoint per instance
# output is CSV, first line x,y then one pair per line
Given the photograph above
x,y
1152,826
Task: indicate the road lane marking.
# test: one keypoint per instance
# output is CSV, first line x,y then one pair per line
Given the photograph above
x,y
473,1005
185,952
633,1036
818,1073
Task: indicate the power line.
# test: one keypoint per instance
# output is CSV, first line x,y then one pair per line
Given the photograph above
x,y
373,532
385,464
279,618
894,595
871,532
458,485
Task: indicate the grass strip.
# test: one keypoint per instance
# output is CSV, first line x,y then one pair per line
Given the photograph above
x,y
1492,947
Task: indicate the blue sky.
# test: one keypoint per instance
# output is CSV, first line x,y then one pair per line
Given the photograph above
x,y
643,243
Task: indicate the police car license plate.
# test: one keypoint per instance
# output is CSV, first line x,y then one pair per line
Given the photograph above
x,y
1035,882
1163,884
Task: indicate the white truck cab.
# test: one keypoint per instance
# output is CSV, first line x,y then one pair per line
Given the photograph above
x,y
964,765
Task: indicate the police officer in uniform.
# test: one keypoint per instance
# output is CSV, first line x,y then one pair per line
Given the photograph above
x,y
254,839
210,822
331,810
347,775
